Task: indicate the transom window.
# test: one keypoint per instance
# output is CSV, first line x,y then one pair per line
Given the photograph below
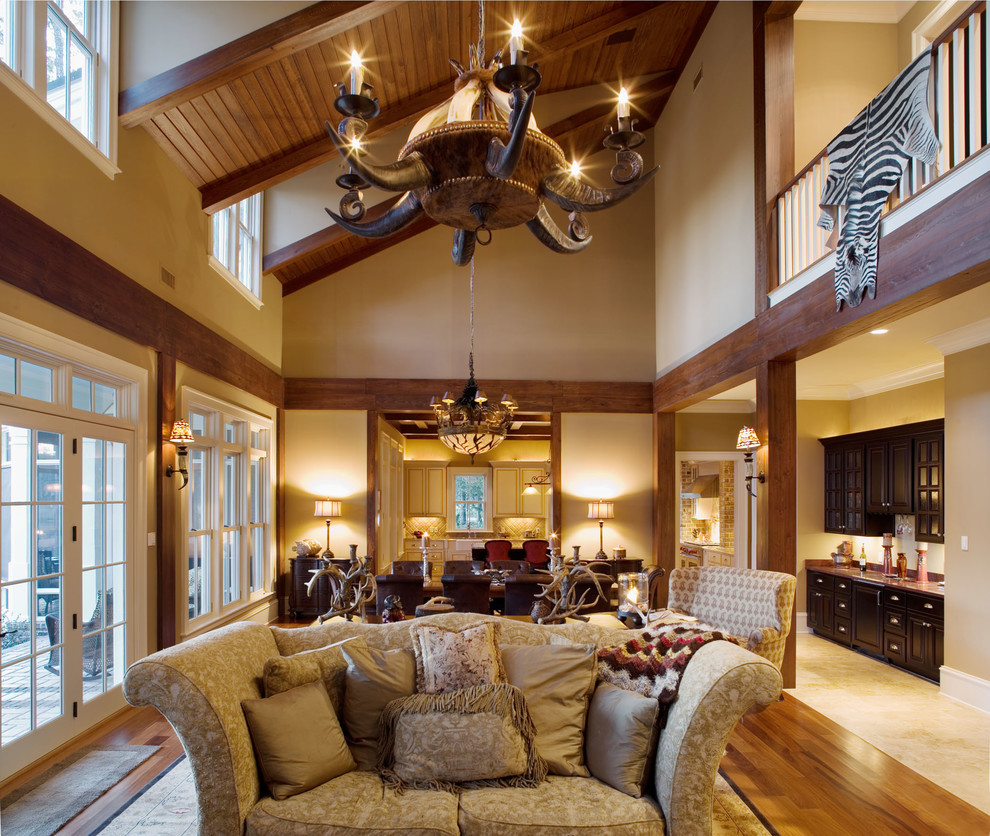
x,y
236,245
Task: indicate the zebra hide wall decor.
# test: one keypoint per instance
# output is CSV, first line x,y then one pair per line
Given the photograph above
x,y
865,162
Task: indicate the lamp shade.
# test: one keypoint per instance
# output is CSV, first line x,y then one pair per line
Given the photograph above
x,y
181,434
600,510
748,439
327,508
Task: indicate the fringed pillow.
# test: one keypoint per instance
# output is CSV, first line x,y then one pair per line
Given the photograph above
x,y
475,737
448,660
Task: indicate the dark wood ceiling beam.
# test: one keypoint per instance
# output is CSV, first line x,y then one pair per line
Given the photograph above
x,y
251,52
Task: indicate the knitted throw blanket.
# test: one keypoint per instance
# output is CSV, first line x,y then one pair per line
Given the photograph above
x,y
653,662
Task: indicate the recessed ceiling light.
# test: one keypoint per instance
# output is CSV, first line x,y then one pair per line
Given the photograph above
x,y
879,331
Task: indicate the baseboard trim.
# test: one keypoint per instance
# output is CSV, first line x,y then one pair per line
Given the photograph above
x,y
965,688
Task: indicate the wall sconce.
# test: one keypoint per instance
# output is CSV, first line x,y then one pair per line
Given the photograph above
x,y
181,436
601,510
749,441
328,508
534,485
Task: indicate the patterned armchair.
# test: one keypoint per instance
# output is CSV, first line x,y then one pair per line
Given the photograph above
x,y
752,603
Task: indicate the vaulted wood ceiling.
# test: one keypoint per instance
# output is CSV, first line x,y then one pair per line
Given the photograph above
x,y
250,114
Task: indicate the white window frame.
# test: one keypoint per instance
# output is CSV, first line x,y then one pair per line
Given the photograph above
x,y
452,474
219,413
26,77
225,249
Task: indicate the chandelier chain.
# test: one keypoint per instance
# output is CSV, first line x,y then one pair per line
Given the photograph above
x,y
481,33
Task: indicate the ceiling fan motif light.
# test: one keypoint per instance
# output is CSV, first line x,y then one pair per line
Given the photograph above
x,y
479,162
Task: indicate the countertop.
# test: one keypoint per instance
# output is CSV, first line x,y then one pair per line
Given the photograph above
x,y
875,576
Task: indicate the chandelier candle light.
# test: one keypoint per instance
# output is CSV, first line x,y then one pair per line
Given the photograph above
x,y
479,162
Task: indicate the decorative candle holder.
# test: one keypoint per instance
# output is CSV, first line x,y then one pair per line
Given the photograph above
x,y
888,556
634,596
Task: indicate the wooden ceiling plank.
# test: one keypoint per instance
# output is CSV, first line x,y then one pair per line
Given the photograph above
x,y
247,128
252,97
219,121
171,152
311,80
215,146
182,147
288,98
200,144
222,65
274,108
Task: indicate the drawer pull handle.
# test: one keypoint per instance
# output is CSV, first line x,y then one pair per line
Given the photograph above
x,y
842,629
895,620
925,624
819,580
895,648
894,598
929,607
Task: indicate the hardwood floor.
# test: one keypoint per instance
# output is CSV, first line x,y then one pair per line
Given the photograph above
x,y
803,773
807,775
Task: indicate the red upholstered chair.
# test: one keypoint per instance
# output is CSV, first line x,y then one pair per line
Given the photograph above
x,y
462,567
497,550
468,592
409,588
521,589
536,553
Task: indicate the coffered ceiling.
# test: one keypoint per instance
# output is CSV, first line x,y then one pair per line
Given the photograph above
x,y
251,113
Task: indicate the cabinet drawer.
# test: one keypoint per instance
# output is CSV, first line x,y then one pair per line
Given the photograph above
x,y
842,585
843,628
816,580
894,598
894,647
843,606
894,621
922,604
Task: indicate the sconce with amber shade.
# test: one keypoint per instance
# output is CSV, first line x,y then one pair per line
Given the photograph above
x,y
182,437
748,441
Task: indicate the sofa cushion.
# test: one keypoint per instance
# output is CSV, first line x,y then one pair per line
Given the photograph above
x,y
374,678
477,736
559,805
620,737
557,681
297,739
356,804
448,660
326,664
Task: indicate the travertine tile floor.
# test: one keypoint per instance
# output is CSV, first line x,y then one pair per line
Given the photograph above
x,y
901,714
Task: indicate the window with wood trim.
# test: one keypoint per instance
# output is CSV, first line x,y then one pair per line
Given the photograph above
x,y
235,245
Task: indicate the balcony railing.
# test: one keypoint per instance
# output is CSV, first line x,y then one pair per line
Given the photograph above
x,y
961,83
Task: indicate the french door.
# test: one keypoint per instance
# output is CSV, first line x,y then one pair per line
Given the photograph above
x,y
65,518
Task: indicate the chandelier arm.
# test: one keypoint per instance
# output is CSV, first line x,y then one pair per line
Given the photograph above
x,y
503,159
551,235
463,250
407,210
404,175
562,188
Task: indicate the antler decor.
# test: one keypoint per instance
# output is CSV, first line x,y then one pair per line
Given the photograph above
x,y
350,590
559,597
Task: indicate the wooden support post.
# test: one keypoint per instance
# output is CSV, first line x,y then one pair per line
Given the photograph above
x,y
666,514
372,496
556,498
776,498
166,504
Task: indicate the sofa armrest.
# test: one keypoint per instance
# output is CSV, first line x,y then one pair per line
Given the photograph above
x,y
198,686
722,682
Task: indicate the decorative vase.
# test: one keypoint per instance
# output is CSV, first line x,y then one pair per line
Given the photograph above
x,y
901,565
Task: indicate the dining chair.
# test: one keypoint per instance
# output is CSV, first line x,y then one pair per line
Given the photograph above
x,y
407,567
520,591
511,566
409,588
536,553
497,550
462,567
470,593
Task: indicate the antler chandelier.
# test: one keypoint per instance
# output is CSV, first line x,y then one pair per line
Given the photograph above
x,y
479,162
470,424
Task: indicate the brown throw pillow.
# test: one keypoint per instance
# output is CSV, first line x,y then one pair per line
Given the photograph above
x,y
374,678
297,740
557,681
449,660
475,737
326,664
621,737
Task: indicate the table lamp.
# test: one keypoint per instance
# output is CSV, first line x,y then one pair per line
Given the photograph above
x,y
601,510
328,508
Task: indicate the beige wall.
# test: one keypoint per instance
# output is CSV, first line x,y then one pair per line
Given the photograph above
x,y
698,431
838,69
436,451
967,486
326,455
921,402
905,30
147,218
704,195
607,457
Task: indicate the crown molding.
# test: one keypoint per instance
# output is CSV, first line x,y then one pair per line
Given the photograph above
x,y
898,380
960,339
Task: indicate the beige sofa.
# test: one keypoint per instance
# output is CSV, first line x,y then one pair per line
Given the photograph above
x,y
199,687
751,603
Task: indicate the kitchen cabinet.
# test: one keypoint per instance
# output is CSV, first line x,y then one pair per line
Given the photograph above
x,y
426,489
717,557
867,621
829,606
925,635
889,476
928,479
845,487
510,480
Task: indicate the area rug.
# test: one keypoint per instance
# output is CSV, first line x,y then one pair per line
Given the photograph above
x,y
167,807
45,803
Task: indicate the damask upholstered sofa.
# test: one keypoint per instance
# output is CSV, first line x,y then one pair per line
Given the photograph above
x,y
751,603
206,686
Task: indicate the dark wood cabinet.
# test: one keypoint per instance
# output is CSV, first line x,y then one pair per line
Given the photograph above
x,y
829,606
867,617
890,476
301,569
845,492
925,642
929,478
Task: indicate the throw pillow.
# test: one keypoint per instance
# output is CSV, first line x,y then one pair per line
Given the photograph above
x,y
448,660
475,737
374,678
557,681
620,737
326,664
297,740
